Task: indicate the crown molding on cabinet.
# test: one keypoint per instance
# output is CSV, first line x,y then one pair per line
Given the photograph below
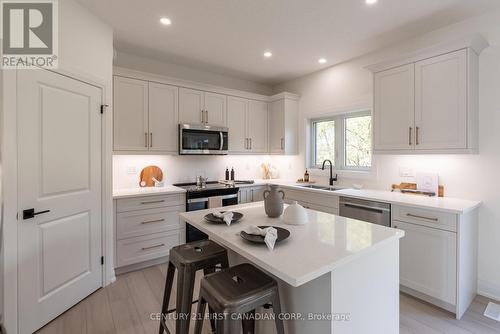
x,y
162,79
475,42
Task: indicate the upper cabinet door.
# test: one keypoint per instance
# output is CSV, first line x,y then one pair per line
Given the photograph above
x,y
215,109
163,117
441,102
191,106
237,124
393,115
130,114
257,126
277,126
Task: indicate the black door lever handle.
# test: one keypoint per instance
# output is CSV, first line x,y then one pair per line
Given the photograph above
x,y
30,213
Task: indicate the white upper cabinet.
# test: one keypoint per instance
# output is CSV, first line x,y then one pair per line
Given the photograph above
x,y
237,124
284,124
191,106
394,105
215,109
196,106
441,102
257,126
130,114
247,121
427,102
163,117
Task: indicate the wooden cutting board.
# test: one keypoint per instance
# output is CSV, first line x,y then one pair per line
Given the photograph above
x,y
147,175
413,186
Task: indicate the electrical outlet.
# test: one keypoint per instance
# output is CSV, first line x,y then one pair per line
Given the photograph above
x,y
406,172
131,170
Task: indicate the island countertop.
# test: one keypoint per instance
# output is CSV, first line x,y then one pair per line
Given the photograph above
x,y
312,250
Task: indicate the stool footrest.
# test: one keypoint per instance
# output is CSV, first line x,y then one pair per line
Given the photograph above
x,y
173,310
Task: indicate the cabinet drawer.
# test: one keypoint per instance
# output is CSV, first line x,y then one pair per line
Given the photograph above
x,y
149,247
435,219
142,222
330,201
149,202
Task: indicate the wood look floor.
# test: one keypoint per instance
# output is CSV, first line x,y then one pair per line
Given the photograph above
x,y
126,307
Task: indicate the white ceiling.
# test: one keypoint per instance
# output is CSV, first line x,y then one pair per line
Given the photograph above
x,y
230,36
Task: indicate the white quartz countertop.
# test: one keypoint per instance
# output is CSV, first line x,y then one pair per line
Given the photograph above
x,y
446,204
312,250
146,191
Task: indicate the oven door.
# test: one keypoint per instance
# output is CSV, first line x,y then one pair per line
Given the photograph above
x,y
196,139
195,204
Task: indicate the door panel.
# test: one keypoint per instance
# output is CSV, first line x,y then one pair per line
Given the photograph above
x,y
441,102
59,166
257,126
191,104
163,117
428,261
215,106
237,124
277,126
393,117
130,114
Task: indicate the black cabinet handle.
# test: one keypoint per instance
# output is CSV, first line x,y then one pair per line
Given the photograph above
x,y
30,213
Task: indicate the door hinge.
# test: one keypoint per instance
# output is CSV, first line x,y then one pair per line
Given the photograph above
x,y
103,106
102,260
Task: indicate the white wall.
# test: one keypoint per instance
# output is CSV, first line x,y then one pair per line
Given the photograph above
x,y
178,169
78,30
163,67
349,86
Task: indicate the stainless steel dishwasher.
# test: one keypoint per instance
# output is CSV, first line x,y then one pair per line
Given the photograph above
x,y
373,212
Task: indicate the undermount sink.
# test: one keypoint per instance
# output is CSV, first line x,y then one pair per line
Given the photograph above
x,y
328,188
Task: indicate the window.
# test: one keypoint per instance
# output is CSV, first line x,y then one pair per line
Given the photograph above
x,y
346,140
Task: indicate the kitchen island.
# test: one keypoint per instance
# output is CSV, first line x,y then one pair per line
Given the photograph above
x,y
336,275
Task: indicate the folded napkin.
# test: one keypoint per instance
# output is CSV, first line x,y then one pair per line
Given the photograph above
x,y
270,234
226,216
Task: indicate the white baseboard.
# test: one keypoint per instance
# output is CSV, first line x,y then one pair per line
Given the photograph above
x,y
489,289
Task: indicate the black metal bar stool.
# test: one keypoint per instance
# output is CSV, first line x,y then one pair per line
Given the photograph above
x,y
237,290
188,259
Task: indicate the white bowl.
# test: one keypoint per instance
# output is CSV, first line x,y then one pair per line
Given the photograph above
x,y
295,214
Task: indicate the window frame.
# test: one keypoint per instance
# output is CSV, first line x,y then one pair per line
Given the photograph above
x,y
339,163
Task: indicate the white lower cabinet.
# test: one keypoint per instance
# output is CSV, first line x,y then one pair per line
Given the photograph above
x,y
428,261
251,194
438,256
147,227
328,203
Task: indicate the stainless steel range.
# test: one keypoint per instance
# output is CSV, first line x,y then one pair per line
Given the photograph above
x,y
204,195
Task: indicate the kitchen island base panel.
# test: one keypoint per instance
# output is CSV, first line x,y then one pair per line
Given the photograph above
x,y
366,289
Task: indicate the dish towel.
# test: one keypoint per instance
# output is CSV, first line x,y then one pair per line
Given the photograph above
x,y
226,216
270,234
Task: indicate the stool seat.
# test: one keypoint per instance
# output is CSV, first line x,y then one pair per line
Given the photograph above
x,y
196,253
239,288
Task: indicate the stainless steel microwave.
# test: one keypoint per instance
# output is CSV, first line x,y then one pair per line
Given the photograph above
x,y
199,139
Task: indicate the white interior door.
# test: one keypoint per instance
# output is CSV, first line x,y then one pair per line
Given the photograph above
x,y
163,115
59,166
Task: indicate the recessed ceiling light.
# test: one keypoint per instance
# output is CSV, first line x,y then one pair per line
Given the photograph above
x,y
322,60
166,21
370,2
268,54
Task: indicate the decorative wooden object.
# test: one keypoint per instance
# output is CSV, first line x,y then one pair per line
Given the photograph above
x,y
413,187
147,175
